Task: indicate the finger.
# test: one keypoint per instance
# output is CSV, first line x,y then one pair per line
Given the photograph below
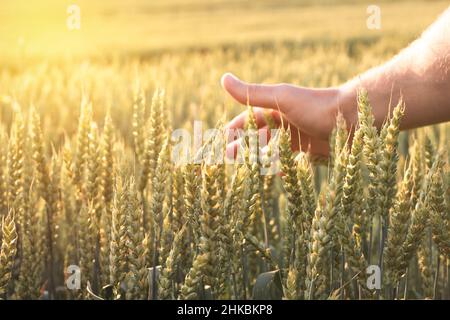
x,y
264,134
236,143
235,147
262,116
301,141
263,95
239,121
314,146
235,139
309,144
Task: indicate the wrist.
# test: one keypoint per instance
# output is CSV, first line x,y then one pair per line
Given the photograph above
x,y
341,99
346,103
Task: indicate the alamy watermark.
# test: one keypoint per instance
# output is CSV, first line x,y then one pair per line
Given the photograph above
x,y
73,277
73,20
374,277
227,146
373,21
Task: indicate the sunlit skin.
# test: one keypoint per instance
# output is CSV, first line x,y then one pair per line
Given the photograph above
x,y
420,74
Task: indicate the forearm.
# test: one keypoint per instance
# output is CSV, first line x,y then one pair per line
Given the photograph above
x,y
420,74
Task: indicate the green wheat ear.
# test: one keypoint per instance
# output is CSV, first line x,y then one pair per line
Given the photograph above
x,y
153,141
138,123
8,251
168,281
398,227
3,172
440,223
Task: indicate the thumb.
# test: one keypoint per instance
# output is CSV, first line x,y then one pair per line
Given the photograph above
x,y
261,95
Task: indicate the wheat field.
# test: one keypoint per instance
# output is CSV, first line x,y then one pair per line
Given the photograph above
x,y
93,207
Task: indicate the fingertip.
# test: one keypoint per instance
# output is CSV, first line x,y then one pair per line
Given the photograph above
x,y
227,80
231,150
223,79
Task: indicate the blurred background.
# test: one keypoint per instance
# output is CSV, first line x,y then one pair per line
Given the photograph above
x,y
39,28
54,51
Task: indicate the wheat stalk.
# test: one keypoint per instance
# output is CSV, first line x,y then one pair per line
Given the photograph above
x,y
8,252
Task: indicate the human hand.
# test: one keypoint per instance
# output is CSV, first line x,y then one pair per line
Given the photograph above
x,y
310,113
